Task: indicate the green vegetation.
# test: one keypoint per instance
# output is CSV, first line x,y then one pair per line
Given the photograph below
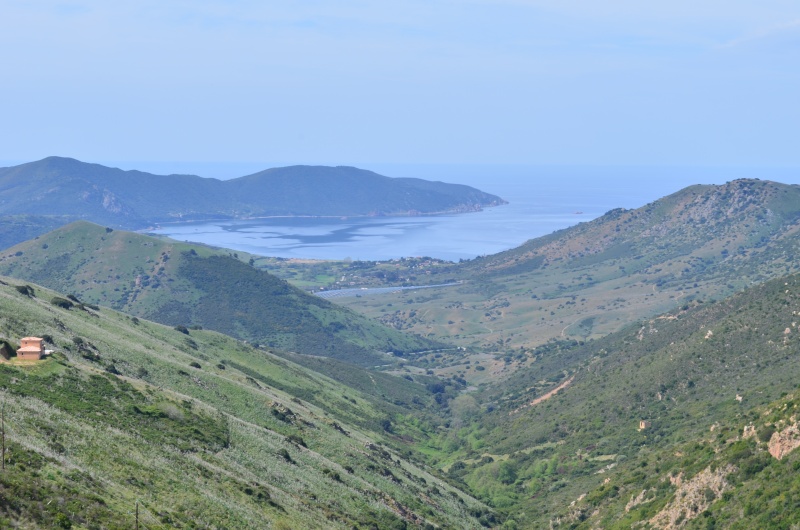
x,y
120,414
18,228
605,386
699,375
185,285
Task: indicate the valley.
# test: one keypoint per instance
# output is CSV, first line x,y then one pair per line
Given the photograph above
x,y
636,370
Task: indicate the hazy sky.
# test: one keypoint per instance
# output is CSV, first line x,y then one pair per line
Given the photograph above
x,y
678,82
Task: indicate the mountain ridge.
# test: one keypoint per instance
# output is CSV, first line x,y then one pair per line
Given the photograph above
x,y
136,199
705,241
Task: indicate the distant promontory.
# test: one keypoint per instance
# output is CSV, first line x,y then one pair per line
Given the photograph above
x,y
70,189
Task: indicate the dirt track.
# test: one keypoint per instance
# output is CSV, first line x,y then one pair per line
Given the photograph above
x,y
548,395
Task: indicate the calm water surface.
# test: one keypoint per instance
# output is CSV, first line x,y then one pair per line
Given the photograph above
x,y
542,200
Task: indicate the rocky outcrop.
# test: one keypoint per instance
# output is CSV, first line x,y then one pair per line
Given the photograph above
x,y
692,497
783,442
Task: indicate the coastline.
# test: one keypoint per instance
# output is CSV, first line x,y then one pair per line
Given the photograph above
x,y
405,213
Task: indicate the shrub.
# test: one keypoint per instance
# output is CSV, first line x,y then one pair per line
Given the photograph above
x,y
27,290
63,303
766,432
194,364
296,440
182,329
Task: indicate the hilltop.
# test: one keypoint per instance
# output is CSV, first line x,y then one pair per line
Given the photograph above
x,y
704,242
181,284
57,186
200,430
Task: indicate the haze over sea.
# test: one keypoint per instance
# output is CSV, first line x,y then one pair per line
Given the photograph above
x,y
541,200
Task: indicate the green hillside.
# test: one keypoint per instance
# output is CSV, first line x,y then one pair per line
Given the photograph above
x,y
198,428
18,228
57,186
576,459
701,243
189,285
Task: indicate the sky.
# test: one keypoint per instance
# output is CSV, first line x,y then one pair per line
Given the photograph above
x,y
352,82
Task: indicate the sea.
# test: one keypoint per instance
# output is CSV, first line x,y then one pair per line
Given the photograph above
x,y
541,200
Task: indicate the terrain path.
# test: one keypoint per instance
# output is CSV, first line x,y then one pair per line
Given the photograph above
x,y
545,397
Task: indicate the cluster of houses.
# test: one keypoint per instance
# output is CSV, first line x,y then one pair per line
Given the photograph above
x,y
31,348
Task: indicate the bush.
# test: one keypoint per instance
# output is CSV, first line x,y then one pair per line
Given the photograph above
x,y
766,432
63,303
182,329
27,290
296,440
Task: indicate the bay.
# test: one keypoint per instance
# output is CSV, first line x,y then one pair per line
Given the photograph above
x,y
541,200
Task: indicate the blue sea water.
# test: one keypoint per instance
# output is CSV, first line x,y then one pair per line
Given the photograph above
x,y
541,200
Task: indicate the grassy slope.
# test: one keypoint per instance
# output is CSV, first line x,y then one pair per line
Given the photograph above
x,y
180,284
18,228
682,371
586,281
201,429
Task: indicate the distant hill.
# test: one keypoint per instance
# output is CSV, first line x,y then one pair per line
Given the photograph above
x,y
181,284
58,186
703,242
198,430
